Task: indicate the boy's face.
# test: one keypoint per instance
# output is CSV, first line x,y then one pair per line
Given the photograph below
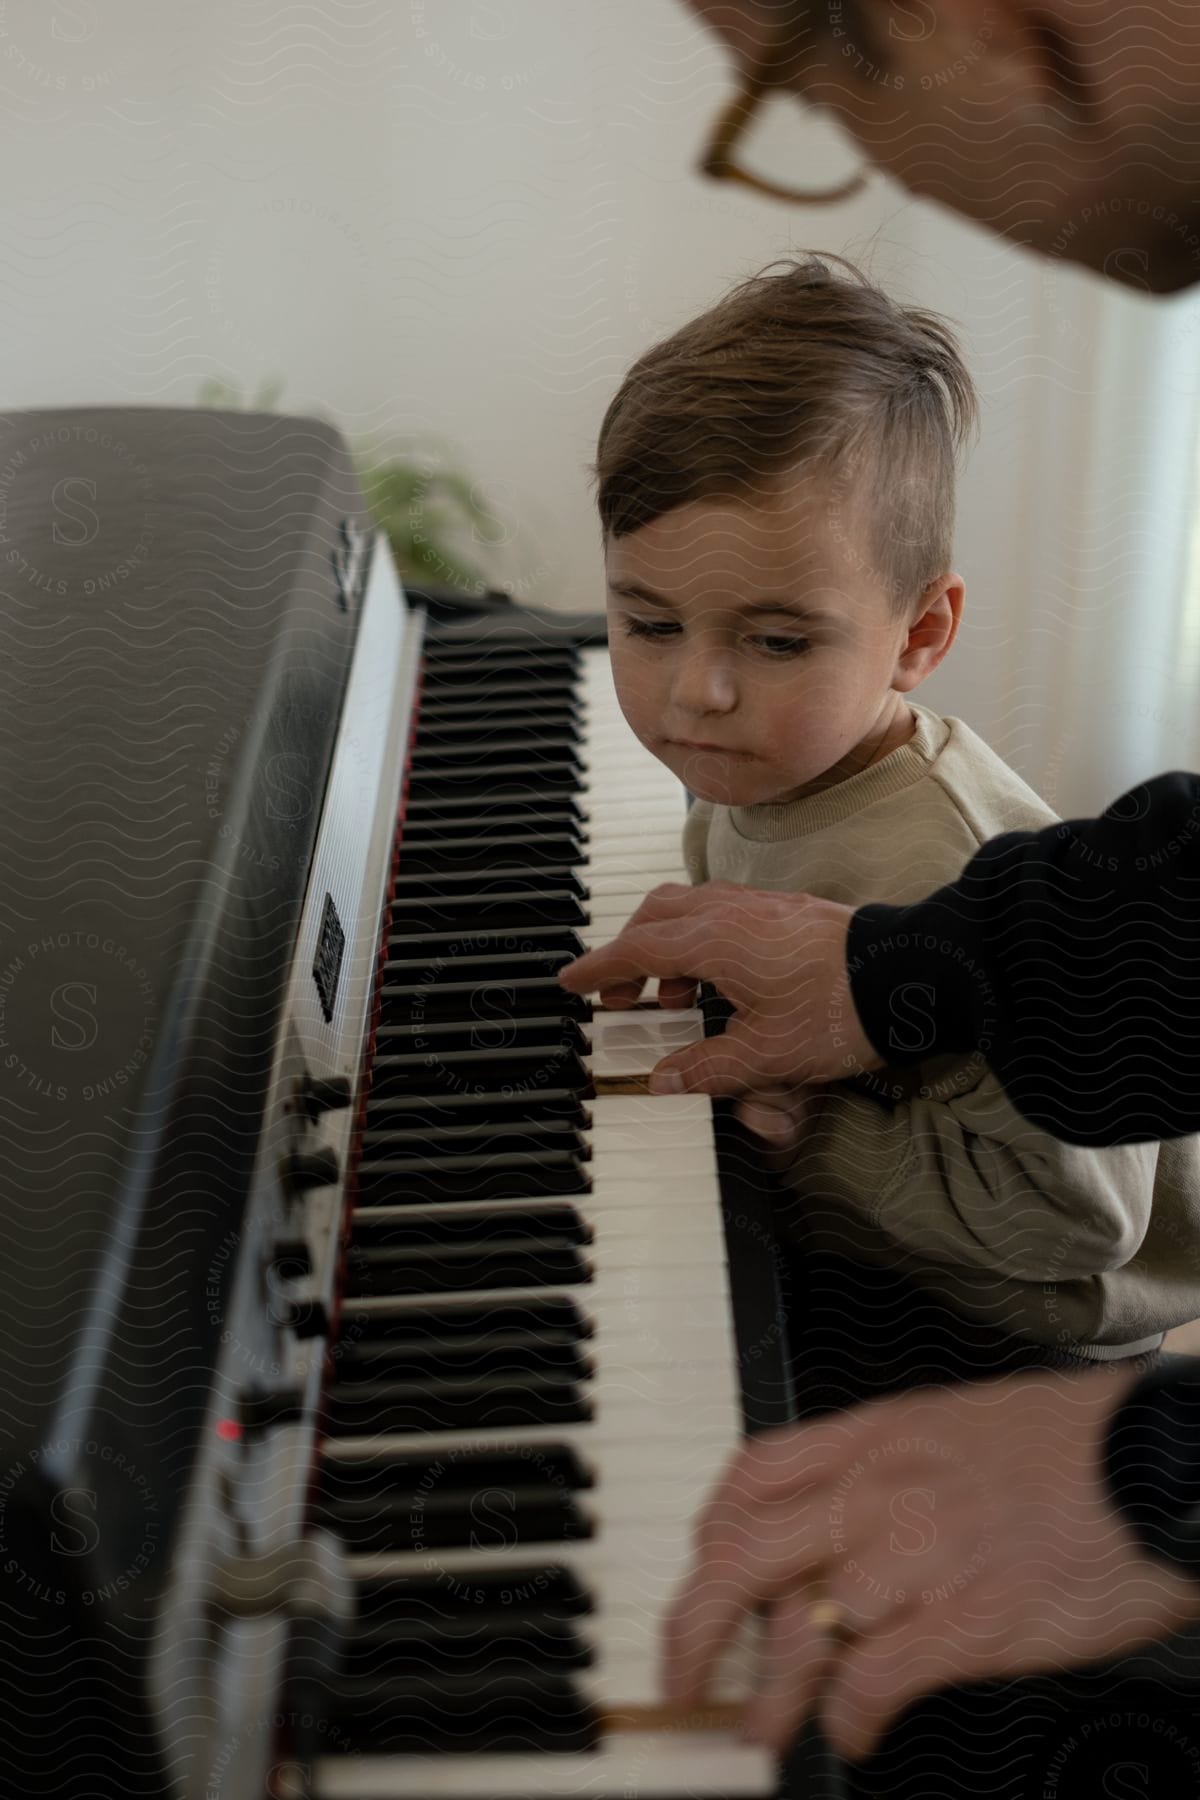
x,y
753,651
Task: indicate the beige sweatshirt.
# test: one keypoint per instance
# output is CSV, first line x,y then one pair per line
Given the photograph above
x,y
929,1168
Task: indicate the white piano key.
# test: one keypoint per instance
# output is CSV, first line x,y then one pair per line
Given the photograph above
x,y
651,1120
658,1765
624,1457
669,1331
659,860
648,1562
630,1166
631,1042
646,1426
620,828
612,1225
630,886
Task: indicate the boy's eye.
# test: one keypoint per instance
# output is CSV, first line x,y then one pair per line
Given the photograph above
x,y
650,628
781,646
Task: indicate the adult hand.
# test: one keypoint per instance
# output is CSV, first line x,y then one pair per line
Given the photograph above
x,y
961,1534
780,959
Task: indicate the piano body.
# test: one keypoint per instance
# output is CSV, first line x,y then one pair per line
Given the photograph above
x,y
368,1350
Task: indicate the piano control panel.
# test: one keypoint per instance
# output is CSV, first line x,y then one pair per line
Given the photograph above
x,y
247,1515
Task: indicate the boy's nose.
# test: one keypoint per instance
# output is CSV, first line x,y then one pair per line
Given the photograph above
x,y
704,683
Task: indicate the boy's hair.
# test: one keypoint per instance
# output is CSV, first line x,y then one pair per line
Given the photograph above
x,y
809,369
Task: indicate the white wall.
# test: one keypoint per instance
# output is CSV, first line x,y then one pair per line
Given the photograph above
x,y
468,216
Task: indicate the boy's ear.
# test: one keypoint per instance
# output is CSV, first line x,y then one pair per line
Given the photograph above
x,y
931,632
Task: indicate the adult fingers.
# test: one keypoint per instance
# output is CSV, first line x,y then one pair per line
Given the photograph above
x,y
786,1463
617,995
670,900
661,906
732,1576
779,1115
797,1653
677,991
654,948
772,1123
877,1677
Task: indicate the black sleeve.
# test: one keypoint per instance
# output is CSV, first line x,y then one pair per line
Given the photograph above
x,y
1069,958
1152,1463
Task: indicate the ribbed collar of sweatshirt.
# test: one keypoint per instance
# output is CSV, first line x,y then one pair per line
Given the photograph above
x,y
777,821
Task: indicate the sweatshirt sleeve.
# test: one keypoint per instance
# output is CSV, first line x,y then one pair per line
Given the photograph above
x,y
695,841
1069,957
963,1180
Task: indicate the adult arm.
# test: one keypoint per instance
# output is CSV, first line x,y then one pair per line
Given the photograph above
x,y
1070,957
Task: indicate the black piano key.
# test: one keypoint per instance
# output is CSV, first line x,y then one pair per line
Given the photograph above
x,y
460,722
443,675
515,1175
434,759
481,667
455,1321
469,885
480,852
489,1644
492,941
430,1068
438,757
413,1473
422,1231
519,803
480,1002
434,1112
488,1593
479,967
500,1353
370,1408
425,1230
459,680
422,829
461,1361
486,703
515,906
555,690
441,650
525,1714
507,637
528,1513
510,1134
564,775
549,1031
508,633
465,1268
504,688
375,1226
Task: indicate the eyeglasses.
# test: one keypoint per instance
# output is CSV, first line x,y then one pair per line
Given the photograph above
x,y
775,66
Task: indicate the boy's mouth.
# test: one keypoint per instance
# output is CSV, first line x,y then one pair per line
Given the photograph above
x,y
711,749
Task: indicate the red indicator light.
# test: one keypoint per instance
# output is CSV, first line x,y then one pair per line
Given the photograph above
x,y
229,1430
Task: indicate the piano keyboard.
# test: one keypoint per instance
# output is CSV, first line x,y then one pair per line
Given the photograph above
x,y
535,1379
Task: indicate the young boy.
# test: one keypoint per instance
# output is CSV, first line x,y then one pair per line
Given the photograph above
x,y
776,488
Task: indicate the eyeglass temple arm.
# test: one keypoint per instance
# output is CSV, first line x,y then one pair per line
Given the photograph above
x,y
717,161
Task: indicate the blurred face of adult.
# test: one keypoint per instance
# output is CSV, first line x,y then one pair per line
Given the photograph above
x,y
1070,126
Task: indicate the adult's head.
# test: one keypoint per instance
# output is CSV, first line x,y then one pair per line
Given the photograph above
x,y
1071,126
